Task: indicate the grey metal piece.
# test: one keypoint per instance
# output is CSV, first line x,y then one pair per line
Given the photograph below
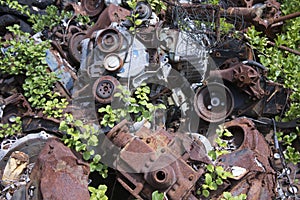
x,y
30,144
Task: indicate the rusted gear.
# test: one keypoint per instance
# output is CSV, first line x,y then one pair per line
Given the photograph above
x,y
109,40
213,102
245,76
92,7
74,46
104,88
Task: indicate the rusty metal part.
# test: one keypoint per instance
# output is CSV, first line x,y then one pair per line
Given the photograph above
x,y
284,48
143,8
244,76
59,174
109,40
77,9
74,47
110,14
253,154
213,102
112,62
92,7
32,124
283,18
104,89
157,161
13,106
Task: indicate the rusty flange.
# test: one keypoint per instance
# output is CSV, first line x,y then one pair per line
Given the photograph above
x,y
104,88
213,102
92,7
109,40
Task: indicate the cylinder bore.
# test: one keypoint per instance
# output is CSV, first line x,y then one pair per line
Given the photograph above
x,y
161,178
104,89
213,102
92,7
110,40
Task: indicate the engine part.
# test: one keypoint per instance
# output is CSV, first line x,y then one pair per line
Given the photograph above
x,y
109,40
74,47
113,62
252,154
144,10
214,102
104,89
136,60
92,7
157,161
110,14
244,76
58,167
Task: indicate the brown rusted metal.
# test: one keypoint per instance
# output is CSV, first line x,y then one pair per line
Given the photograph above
x,y
15,105
213,102
104,89
92,7
157,161
109,40
74,47
244,76
110,14
284,48
253,153
284,18
59,174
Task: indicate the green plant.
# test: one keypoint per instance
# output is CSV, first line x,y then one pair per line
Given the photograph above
x,y
133,18
283,66
228,196
157,5
291,155
82,137
24,57
138,105
9,129
13,4
221,145
98,193
213,178
50,20
156,195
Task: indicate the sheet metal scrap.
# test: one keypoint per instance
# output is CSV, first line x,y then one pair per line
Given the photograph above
x,y
157,161
253,154
58,174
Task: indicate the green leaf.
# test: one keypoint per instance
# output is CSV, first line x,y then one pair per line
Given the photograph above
x,y
208,178
157,195
205,193
210,168
138,22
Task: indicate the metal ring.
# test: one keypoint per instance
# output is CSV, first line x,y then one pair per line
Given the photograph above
x,y
213,102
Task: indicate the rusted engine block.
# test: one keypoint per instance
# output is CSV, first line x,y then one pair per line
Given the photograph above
x,y
157,161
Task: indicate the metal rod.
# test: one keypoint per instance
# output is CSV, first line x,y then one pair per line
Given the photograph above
x,y
285,48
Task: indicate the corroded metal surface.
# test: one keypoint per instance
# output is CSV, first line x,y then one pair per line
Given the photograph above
x,y
59,174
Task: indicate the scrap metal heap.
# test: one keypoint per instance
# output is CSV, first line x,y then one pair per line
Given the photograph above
x,y
204,77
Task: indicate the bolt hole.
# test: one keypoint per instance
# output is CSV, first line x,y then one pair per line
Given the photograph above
x,y
160,175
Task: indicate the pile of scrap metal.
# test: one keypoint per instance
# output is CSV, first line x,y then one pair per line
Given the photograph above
x,y
203,76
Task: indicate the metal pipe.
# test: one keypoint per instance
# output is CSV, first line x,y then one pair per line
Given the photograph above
x,y
284,48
